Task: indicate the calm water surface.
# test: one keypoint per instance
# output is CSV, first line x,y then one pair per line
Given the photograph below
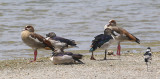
x,y
80,20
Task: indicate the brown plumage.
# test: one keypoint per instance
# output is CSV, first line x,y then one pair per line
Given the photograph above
x,y
123,35
35,41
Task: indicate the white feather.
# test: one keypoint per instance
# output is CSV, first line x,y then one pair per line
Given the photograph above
x,y
65,59
107,44
35,39
105,26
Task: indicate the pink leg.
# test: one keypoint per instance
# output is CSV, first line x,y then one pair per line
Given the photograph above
x,y
119,49
35,55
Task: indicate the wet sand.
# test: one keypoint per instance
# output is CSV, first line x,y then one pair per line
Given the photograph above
x,y
127,66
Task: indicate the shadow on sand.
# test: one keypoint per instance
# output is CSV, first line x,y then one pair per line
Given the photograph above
x,y
107,59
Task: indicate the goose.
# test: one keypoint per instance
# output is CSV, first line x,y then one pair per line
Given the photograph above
x,y
121,34
60,43
102,41
66,58
34,40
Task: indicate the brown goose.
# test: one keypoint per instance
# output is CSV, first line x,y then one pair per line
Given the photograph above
x,y
123,35
35,41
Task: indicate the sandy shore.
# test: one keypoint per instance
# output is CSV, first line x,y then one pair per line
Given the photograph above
x,y
128,66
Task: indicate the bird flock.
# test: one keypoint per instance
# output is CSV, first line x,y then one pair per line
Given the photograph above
x,y
112,33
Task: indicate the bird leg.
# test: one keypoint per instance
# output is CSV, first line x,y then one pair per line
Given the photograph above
x,y
35,56
92,57
147,66
119,49
105,54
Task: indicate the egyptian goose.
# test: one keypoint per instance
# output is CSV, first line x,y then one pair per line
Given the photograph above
x,y
66,58
60,43
123,35
33,40
102,41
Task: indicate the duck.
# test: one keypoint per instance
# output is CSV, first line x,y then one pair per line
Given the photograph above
x,y
34,40
102,41
60,43
66,58
120,35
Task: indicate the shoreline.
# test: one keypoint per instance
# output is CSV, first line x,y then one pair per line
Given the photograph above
x,y
127,66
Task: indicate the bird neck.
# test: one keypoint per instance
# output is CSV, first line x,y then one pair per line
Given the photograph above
x,y
106,34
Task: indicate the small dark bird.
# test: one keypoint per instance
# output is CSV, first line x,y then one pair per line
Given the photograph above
x,y
148,56
66,58
102,41
60,43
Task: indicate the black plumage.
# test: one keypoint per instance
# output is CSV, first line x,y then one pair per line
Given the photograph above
x,y
64,40
99,41
53,36
147,55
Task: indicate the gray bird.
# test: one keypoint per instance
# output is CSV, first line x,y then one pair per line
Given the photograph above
x,y
66,58
60,43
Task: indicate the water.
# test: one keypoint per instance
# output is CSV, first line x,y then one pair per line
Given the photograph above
x,y
79,20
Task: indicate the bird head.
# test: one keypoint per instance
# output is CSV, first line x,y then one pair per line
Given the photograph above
x,y
29,28
148,49
51,34
112,23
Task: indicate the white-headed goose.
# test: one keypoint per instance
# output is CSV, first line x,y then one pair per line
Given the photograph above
x,y
123,35
35,41
102,41
60,43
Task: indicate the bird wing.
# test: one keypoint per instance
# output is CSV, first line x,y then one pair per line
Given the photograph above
x,y
99,41
39,38
122,31
64,40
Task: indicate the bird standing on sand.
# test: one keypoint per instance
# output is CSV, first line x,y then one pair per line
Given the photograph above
x,y
148,55
122,34
35,41
102,41
60,43
66,58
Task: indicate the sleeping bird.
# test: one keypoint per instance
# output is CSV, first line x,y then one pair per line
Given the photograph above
x,y
66,58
